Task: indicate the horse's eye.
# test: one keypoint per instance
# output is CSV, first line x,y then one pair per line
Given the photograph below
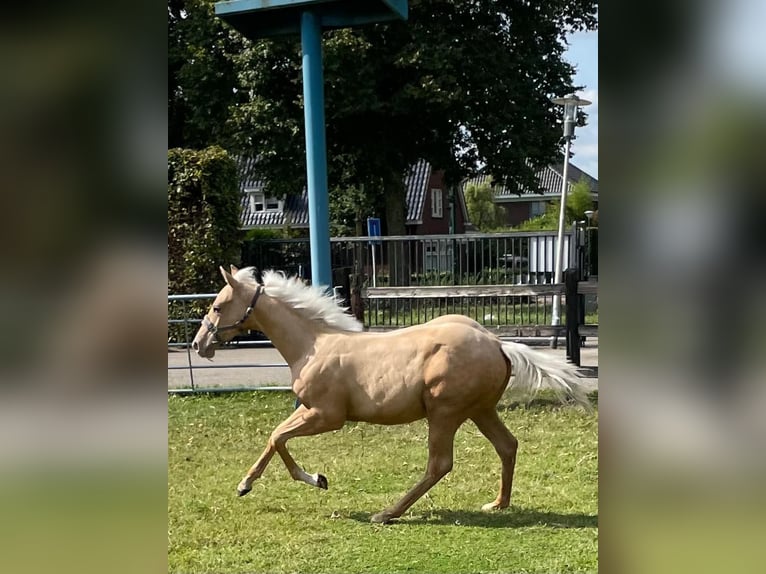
x,y
217,309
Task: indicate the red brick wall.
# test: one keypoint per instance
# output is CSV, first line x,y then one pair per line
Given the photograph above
x,y
439,225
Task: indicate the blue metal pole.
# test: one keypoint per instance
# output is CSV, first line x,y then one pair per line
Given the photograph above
x,y
316,149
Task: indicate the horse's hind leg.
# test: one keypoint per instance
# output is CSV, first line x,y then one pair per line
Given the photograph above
x,y
303,422
505,444
441,435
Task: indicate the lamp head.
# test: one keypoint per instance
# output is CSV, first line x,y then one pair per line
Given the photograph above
x,y
571,104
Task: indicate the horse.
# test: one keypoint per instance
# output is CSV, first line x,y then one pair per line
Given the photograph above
x,y
447,370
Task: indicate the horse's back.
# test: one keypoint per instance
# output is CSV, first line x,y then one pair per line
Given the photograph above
x,y
458,320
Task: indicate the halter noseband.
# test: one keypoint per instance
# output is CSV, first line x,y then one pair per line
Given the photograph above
x,y
213,329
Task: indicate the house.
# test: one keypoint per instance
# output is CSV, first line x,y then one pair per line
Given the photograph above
x,y
521,206
259,211
430,206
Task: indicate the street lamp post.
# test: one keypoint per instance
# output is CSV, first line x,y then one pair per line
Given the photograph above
x,y
571,105
589,216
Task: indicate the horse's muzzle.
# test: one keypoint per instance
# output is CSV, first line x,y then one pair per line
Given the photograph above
x,y
206,351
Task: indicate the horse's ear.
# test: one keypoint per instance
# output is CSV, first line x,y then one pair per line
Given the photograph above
x,y
233,269
228,277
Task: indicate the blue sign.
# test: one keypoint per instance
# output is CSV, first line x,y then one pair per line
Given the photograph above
x,y
373,227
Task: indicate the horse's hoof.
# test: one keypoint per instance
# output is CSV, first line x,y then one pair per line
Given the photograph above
x,y
322,481
243,491
381,518
492,506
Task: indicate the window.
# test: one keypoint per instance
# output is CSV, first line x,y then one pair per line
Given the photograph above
x,y
259,203
436,203
537,208
438,255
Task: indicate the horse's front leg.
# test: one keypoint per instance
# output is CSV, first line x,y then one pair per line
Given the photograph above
x,y
303,422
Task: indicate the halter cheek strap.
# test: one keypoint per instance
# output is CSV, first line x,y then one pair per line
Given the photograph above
x,y
213,329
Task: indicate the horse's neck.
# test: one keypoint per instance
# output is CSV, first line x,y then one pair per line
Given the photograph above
x,y
292,335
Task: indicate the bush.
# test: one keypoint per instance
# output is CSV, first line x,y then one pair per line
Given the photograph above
x,y
203,218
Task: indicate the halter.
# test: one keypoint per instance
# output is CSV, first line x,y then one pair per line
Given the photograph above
x,y
213,329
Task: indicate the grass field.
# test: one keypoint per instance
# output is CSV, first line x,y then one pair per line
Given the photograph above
x,y
285,526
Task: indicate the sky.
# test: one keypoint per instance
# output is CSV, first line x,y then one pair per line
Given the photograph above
x,y
583,54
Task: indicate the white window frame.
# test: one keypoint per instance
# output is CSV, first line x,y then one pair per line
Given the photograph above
x,y
437,203
259,197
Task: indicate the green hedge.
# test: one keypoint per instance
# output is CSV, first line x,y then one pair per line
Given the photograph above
x,y
203,218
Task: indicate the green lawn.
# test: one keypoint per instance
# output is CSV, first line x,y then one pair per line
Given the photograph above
x,y
286,526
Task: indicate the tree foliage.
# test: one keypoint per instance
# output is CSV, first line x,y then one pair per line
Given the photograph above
x,y
462,83
203,218
579,200
202,75
479,200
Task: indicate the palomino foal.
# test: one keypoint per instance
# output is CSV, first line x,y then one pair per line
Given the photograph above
x,y
448,370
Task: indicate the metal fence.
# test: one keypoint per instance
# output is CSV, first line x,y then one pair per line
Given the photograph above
x,y
473,259
513,314
518,258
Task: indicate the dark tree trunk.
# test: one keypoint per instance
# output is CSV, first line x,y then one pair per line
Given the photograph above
x,y
397,253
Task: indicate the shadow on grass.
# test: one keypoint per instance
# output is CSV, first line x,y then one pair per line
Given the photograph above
x,y
509,518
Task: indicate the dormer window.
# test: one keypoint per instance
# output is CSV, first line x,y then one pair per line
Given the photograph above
x,y
262,203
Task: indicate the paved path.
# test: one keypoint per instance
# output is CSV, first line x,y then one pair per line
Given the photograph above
x,y
239,367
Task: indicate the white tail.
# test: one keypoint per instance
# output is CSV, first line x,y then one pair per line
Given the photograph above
x,y
531,369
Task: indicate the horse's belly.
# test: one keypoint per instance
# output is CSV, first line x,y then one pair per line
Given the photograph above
x,y
389,413
390,398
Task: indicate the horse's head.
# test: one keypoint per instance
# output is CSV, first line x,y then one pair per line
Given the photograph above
x,y
227,315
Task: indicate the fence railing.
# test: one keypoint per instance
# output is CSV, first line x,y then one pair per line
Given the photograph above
x,y
514,310
472,259
181,322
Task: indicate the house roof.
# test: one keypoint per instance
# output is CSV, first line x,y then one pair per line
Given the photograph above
x,y
295,212
296,207
416,186
549,179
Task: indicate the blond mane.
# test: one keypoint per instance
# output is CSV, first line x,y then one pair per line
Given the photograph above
x,y
311,302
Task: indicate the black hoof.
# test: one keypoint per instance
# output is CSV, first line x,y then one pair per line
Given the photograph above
x,y
243,492
322,481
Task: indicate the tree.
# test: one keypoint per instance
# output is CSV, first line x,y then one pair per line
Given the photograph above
x,y
479,200
461,83
579,200
202,75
